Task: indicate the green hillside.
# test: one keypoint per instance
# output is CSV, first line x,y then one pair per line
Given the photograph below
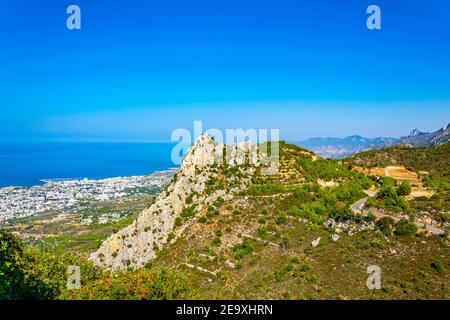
x,y
272,241
431,163
435,160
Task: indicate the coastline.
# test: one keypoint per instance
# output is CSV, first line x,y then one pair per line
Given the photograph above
x,y
26,164
72,194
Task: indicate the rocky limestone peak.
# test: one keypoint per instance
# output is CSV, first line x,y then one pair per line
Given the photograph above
x,y
203,153
415,133
193,188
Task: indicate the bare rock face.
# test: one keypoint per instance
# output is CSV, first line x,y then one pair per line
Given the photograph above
x,y
137,244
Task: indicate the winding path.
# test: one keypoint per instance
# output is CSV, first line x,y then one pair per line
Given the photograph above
x,y
358,208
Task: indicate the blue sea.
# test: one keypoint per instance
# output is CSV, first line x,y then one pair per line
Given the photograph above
x,y
25,164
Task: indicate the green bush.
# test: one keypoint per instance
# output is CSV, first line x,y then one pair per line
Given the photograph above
x,y
405,228
243,249
178,222
188,212
219,201
263,189
302,195
404,189
385,225
438,266
281,218
387,191
341,213
38,274
144,284
262,230
217,242
15,282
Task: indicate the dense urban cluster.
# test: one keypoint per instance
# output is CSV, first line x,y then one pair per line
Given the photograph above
x,y
70,195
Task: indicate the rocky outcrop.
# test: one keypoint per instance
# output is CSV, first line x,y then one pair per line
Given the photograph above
x,y
193,188
426,139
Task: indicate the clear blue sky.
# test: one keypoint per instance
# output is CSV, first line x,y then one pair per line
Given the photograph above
x,y
139,69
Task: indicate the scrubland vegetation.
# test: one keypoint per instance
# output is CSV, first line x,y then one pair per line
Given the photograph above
x,y
259,245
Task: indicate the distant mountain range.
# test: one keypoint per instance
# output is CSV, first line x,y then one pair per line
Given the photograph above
x,y
343,147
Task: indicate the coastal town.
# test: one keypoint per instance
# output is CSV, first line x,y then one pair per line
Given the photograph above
x,y
72,195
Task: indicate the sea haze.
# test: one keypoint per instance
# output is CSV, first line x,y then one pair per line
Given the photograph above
x,y
25,164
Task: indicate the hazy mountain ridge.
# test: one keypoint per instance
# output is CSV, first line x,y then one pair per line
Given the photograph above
x,y
344,147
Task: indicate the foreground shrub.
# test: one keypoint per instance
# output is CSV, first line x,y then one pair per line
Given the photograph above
x,y
144,284
37,274
15,281
281,218
385,225
404,189
438,266
405,228
243,249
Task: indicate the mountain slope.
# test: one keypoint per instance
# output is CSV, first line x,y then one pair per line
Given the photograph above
x,y
424,139
435,160
198,183
227,231
432,166
292,236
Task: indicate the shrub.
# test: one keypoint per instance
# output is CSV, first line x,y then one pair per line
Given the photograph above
x,y
188,212
438,266
202,219
219,201
281,218
385,225
178,222
217,242
144,284
14,266
262,230
341,213
302,195
243,249
404,189
370,202
170,237
387,191
36,274
263,189
405,228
